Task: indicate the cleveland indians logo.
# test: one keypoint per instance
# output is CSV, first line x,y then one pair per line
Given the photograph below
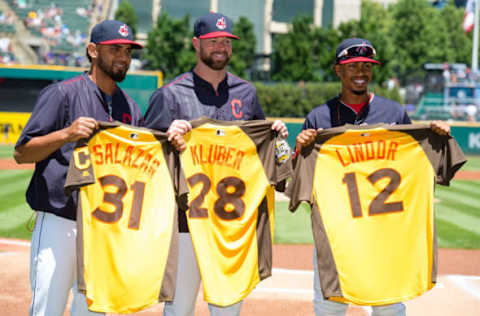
x,y
123,30
236,108
221,23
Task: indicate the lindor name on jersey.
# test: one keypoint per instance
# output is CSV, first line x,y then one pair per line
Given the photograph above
x,y
368,150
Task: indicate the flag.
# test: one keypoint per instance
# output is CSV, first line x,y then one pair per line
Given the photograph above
x,y
468,17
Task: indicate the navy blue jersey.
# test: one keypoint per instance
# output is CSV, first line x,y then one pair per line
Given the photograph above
x,y
189,97
335,113
58,105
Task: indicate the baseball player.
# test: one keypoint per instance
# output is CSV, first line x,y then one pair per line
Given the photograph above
x,y
64,113
354,62
207,90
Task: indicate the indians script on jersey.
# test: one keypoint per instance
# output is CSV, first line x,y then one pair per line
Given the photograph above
x,y
127,218
371,191
230,169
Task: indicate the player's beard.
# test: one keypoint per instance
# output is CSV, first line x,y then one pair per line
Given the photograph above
x,y
116,73
212,63
359,92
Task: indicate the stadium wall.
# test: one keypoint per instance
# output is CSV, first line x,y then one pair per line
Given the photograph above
x,y
467,135
139,85
20,85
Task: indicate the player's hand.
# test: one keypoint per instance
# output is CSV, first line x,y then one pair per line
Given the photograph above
x,y
440,127
306,137
178,127
280,128
82,127
178,142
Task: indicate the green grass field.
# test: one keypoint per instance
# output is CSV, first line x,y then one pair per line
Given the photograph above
x,y
6,151
457,217
457,210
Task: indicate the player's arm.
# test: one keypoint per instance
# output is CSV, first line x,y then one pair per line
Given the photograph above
x,y
258,114
158,115
40,147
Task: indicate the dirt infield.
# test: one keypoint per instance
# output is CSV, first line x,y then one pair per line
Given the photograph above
x,y
287,292
10,164
467,175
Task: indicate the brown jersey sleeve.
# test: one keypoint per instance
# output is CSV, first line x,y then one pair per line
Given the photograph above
x,y
172,159
80,171
452,159
443,151
300,189
268,142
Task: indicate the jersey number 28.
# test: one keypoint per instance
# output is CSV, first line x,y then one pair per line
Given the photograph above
x,y
229,204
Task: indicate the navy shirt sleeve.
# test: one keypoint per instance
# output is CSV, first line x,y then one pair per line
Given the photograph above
x,y
406,118
257,109
48,114
319,117
309,122
158,115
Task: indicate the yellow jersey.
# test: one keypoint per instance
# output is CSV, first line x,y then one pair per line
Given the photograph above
x,y
371,190
231,172
127,217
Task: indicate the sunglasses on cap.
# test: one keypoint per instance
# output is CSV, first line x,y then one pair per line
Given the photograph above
x,y
362,50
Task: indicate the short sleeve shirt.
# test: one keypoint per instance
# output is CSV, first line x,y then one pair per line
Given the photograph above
x,y
57,107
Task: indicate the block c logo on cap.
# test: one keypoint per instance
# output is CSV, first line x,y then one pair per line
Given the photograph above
x,y
123,30
221,24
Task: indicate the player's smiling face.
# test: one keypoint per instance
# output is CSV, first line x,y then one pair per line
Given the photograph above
x,y
114,60
355,76
215,52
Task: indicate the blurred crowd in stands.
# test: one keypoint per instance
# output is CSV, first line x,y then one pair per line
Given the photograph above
x,y
63,25
463,104
7,27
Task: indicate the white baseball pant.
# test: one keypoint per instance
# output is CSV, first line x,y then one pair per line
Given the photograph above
x,y
53,267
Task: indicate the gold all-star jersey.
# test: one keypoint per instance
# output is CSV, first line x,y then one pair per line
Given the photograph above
x,y
127,217
371,191
231,170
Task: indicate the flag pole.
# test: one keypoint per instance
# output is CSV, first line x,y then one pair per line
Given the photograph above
x,y
475,40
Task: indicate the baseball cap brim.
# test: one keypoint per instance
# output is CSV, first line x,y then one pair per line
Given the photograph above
x,y
122,41
219,34
358,59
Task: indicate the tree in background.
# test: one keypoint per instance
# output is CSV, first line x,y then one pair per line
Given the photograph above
x,y
169,46
294,56
325,41
407,35
126,13
417,35
243,55
459,44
